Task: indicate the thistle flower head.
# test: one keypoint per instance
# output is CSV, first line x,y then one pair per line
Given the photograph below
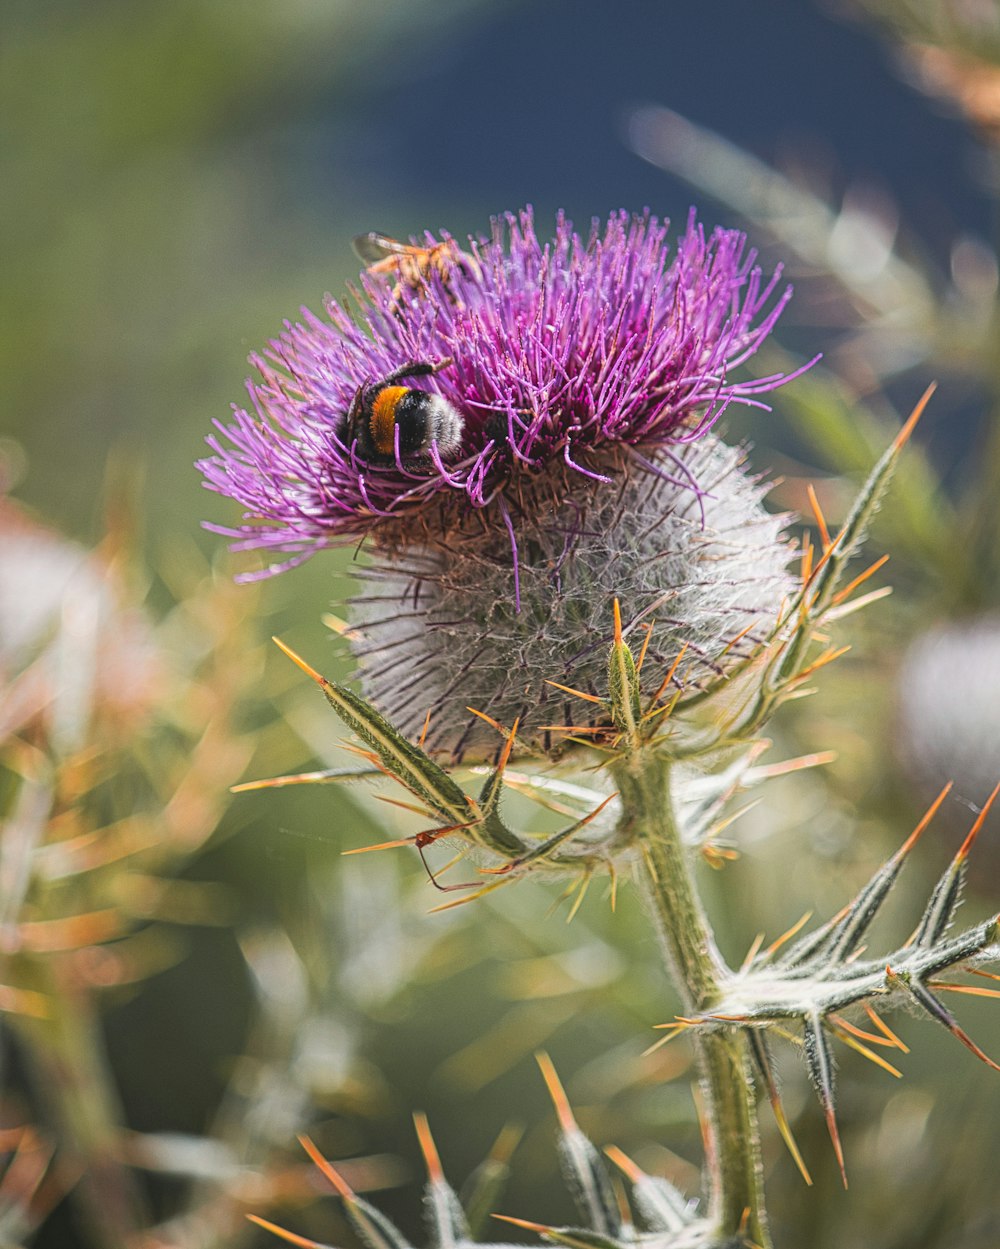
x,y
568,362
563,455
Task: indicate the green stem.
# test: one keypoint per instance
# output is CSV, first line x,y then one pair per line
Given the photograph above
x,y
736,1195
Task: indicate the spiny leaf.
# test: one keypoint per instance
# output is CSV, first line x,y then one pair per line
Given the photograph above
x,y
662,1206
838,939
584,1170
409,765
495,832
758,1048
854,528
545,849
819,1062
947,894
369,1222
937,1010
480,1191
446,1219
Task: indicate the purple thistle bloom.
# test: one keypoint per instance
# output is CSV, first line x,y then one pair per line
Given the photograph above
x,y
568,359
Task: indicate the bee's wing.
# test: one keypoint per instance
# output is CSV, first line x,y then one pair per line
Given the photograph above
x,y
374,247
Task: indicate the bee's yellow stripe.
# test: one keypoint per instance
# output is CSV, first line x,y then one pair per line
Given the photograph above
x,y
383,423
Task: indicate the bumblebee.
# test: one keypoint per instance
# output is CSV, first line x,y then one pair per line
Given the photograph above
x,y
412,264
383,411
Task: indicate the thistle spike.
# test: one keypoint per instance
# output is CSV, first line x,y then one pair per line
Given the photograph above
x,y
585,1172
947,894
819,1062
758,1048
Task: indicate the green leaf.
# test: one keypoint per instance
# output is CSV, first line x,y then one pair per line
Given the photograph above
x,y
589,1183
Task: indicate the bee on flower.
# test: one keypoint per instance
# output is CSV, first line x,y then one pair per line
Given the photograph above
x,y
560,451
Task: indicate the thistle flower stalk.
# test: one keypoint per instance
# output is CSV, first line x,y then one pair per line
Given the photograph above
x,y
697,970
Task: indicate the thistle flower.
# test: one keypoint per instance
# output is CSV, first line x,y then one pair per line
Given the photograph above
x,y
562,356
587,375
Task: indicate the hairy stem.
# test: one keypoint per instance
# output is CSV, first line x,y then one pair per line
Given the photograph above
x,y
736,1196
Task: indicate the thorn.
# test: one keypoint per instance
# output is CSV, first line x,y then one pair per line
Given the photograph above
x,y
489,719
785,1129
977,827
590,698
543,1229
974,990
820,758
884,1028
903,437
563,1110
291,1237
335,1178
930,813
382,845
752,953
423,732
787,935
817,512
339,626
581,893
645,645
276,782
624,1210
669,677
734,640
854,1030
831,1127
435,1173
718,856
621,1160
618,623
937,1010
863,1050
508,746
823,561
470,897
870,571
318,677
826,658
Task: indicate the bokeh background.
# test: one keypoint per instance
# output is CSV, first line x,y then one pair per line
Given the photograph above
x,y
179,178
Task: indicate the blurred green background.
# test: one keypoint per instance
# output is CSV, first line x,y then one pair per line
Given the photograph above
x,y
178,179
